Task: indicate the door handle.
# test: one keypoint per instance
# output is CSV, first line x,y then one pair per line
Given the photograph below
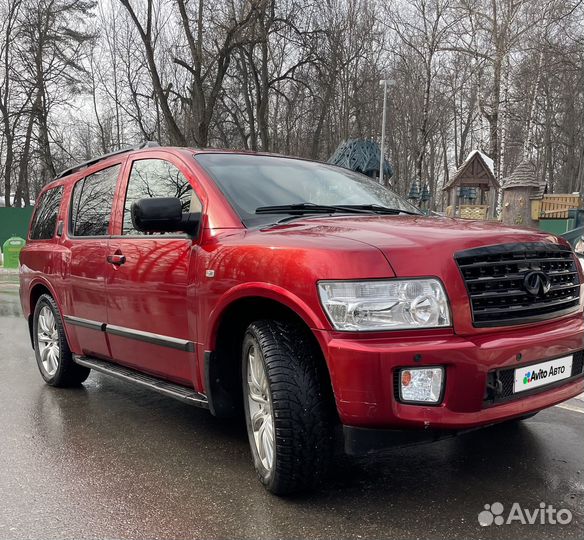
x,y
117,259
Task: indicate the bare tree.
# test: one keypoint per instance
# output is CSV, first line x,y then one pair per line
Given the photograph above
x,y
10,118
78,78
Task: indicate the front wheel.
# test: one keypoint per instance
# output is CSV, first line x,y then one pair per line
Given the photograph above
x,y
287,407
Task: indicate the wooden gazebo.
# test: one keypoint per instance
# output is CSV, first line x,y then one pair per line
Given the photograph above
x,y
361,155
472,190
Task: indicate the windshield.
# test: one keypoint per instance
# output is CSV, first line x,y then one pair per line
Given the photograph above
x,y
250,182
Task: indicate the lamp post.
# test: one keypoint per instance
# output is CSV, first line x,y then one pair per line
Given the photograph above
x,y
385,83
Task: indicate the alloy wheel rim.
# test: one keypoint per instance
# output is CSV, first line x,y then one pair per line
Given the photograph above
x,y
260,408
48,341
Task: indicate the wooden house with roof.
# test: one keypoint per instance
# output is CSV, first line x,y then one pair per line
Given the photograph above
x,y
472,190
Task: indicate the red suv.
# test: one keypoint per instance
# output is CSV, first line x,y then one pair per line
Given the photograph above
x,y
305,295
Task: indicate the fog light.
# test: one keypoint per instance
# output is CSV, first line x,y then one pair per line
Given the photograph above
x,y
421,385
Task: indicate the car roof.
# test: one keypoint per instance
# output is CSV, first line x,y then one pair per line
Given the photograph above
x,y
82,169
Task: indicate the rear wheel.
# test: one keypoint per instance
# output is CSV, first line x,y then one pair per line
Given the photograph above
x,y
288,415
52,352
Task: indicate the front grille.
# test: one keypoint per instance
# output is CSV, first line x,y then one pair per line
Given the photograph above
x,y
494,277
500,382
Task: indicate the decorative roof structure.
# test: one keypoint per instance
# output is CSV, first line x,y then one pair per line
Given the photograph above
x,y
477,166
361,155
523,177
414,192
541,191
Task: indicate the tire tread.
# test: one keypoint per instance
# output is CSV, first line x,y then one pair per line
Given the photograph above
x,y
302,409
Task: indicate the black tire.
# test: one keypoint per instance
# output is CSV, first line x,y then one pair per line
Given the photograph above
x,y
301,404
68,373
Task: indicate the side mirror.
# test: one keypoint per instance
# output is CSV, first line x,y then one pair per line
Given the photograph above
x,y
163,214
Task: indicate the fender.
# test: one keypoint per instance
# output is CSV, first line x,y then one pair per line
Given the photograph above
x,y
220,398
264,290
41,280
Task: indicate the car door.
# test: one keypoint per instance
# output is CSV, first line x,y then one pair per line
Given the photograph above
x,y
147,286
86,238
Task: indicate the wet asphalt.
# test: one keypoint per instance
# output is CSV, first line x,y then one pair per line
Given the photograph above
x,y
110,460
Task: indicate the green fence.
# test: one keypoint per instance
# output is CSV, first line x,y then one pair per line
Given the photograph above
x,y
14,222
556,226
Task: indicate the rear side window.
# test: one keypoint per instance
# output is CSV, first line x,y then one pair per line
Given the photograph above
x,y
45,217
157,178
92,201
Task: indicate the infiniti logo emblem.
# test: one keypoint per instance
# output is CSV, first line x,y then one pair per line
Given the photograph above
x,y
537,283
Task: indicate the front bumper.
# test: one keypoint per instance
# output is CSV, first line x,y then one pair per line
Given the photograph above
x,y
363,370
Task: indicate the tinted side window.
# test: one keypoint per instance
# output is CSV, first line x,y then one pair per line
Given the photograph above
x,y
92,201
45,218
155,178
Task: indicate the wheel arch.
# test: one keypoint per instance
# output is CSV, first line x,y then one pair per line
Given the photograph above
x,y
222,368
258,292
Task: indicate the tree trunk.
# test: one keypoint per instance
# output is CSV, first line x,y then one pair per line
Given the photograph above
x,y
424,124
264,97
48,172
8,163
527,148
25,157
316,136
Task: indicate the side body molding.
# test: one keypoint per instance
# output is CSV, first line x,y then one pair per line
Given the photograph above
x,y
148,337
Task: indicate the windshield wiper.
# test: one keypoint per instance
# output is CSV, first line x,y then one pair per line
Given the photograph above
x,y
379,209
300,209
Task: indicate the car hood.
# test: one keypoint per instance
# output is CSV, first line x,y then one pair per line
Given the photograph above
x,y
412,246
416,245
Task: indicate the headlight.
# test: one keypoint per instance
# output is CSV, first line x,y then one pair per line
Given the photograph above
x,y
385,305
421,385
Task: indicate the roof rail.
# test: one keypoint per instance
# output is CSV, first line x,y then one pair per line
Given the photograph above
x,y
93,161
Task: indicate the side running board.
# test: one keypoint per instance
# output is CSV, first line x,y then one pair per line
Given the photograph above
x,y
182,393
